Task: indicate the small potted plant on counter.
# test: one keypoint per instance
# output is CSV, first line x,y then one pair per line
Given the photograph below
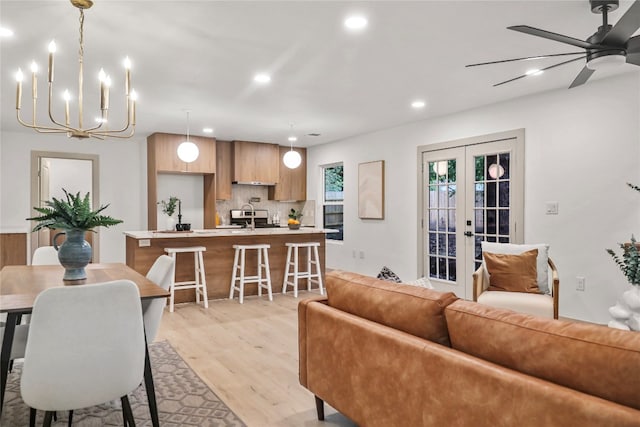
x,y
294,219
169,208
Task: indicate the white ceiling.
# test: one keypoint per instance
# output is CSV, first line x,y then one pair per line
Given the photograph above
x,y
201,56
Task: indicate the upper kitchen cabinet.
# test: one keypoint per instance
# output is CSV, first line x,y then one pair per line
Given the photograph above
x,y
162,152
255,163
292,183
224,170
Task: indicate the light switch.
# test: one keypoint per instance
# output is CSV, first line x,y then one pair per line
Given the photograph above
x,y
551,208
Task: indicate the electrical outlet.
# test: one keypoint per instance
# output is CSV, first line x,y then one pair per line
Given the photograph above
x,y
580,283
361,254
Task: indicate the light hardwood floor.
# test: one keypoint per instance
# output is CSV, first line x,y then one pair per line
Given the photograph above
x,y
248,355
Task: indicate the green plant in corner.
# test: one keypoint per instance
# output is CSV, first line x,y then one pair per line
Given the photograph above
x,y
169,206
74,213
629,260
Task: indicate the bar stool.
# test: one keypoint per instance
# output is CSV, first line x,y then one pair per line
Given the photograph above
x,y
297,274
263,282
200,282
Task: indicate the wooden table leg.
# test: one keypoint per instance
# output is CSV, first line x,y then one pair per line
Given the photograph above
x,y
5,353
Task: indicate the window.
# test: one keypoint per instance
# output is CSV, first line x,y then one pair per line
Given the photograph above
x,y
333,200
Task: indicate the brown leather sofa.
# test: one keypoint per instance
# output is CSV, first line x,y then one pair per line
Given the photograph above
x,y
390,355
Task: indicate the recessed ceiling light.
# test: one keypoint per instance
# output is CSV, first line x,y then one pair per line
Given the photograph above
x,y
292,139
534,72
262,78
5,32
207,130
356,22
418,104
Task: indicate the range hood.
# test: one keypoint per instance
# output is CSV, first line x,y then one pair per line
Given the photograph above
x,y
253,183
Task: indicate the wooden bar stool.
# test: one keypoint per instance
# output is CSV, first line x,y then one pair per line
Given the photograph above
x,y
200,281
239,273
312,259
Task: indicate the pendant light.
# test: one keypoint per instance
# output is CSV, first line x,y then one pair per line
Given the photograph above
x,y
291,158
188,151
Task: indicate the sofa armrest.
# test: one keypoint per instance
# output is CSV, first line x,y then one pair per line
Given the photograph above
x,y
302,335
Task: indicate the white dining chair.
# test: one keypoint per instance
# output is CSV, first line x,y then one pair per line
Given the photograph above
x,y
86,347
160,273
45,255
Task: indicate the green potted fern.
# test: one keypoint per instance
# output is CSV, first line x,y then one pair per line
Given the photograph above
x,y
74,215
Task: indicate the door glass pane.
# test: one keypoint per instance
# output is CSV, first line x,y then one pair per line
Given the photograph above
x,y
442,218
492,191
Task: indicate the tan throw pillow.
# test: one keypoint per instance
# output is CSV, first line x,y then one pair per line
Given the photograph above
x,y
512,273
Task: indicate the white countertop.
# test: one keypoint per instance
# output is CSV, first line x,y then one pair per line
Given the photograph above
x,y
224,232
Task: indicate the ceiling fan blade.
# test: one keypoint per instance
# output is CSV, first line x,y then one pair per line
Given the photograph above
x,y
554,36
633,50
542,69
525,58
625,27
582,77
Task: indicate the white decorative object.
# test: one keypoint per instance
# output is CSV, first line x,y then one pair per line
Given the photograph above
x,y
626,313
171,223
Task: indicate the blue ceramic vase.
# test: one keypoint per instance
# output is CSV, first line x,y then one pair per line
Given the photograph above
x,y
74,254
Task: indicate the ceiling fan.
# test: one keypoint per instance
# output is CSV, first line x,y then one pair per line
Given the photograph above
x,y
608,46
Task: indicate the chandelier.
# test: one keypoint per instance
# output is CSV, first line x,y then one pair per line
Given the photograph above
x,y
101,130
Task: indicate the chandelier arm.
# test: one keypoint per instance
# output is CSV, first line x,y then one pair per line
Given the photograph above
x,y
128,123
109,135
43,129
51,114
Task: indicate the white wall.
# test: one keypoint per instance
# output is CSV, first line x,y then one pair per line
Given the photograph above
x,y
122,182
582,145
73,175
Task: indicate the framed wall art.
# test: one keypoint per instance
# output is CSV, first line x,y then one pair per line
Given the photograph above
x,y
371,190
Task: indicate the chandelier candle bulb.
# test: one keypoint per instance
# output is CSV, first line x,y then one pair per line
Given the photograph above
x,y
19,78
67,97
127,80
34,80
52,50
107,85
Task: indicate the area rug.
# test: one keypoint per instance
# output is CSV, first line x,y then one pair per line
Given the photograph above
x,y
183,399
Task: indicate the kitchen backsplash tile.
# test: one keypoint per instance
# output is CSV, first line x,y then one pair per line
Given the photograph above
x,y
241,194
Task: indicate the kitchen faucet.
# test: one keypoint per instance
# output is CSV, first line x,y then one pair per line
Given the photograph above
x,y
253,214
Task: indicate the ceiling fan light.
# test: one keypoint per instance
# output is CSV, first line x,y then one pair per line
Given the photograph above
x,y
534,72
292,159
188,152
606,62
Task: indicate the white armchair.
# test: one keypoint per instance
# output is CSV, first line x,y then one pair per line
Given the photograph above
x,y
539,304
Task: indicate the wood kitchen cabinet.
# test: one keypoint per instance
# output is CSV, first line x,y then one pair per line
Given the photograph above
x,y
292,183
162,157
224,170
255,162
165,147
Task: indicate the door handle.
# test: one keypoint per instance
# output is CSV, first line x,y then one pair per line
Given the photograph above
x,y
468,233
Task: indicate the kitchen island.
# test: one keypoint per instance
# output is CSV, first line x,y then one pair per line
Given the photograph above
x,y
143,247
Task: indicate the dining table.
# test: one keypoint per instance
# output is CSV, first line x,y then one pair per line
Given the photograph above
x,y
21,284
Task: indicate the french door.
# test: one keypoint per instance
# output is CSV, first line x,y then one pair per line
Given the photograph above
x,y
470,193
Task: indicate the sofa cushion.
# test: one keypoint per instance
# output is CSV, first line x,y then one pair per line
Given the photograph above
x,y
415,310
535,304
387,274
512,273
515,249
590,358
